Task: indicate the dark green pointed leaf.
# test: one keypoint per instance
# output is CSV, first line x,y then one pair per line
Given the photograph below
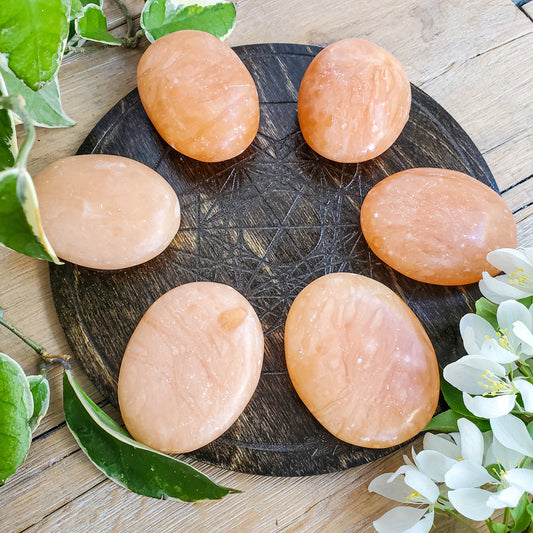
x,y
20,225
127,462
92,25
447,422
33,37
16,408
487,310
520,515
8,136
40,391
160,17
44,105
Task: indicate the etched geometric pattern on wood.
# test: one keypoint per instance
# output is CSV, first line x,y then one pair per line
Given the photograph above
x,y
267,223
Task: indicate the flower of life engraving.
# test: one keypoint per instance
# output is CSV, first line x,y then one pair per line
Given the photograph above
x,y
267,223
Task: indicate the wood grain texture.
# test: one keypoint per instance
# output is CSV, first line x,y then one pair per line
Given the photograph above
x,y
482,52
267,223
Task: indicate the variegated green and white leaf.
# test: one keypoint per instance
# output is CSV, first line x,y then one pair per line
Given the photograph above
x,y
160,17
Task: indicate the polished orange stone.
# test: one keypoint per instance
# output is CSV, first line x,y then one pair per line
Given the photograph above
x,y
361,361
354,101
436,225
106,211
190,367
199,95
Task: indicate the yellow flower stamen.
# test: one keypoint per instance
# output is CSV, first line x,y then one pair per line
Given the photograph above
x,y
504,337
518,277
415,495
496,386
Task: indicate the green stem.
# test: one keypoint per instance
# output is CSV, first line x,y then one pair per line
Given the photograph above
x,y
15,104
506,516
43,354
127,16
462,519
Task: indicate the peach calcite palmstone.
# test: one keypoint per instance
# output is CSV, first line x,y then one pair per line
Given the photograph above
x,y
361,361
106,211
436,225
199,95
354,101
190,367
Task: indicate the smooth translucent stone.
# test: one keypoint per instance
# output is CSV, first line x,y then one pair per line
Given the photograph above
x,y
361,361
436,225
199,95
106,211
354,101
190,367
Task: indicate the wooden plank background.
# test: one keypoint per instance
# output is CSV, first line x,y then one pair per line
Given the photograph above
x,y
475,58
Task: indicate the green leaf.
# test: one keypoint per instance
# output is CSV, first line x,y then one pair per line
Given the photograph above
x,y
453,397
76,7
40,391
487,310
8,136
44,105
495,527
520,515
33,36
530,510
20,224
16,408
92,25
127,462
160,17
445,421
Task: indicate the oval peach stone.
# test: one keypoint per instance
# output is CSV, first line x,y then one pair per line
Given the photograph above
x,y
354,101
190,367
436,225
199,95
361,361
106,211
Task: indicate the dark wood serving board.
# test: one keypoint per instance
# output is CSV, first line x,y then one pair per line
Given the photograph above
x,y
267,223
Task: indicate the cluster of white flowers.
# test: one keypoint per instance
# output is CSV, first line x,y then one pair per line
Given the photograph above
x,y
470,472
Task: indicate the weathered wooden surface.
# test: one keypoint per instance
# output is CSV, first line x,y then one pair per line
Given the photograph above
x,y
475,58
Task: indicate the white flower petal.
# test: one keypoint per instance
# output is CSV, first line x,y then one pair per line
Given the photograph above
x,y
423,485
498,290
521,478
472,444
474,331
489,406
423,526
402,470
442,443
434,464
505,457
512,433
508,497
465,374
399,520
492,350
471,503
510,312
467,474
395,490
526,391
508,259
523,333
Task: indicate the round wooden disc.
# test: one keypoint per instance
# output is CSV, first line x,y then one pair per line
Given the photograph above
x,y
267,223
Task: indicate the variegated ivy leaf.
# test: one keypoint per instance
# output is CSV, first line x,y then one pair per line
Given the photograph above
x,y
92,25
33,38
20,223
160,17
40,391
44,106
16,409
8,137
